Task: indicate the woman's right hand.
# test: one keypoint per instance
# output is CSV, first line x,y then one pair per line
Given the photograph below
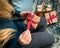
x,y
25,38
24,14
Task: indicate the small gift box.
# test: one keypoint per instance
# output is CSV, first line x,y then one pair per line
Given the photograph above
x,y
48,7
41,7
51,17
32,21
44,7
25,38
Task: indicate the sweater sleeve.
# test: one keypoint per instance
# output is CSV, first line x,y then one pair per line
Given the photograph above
x,y
17,13
13,42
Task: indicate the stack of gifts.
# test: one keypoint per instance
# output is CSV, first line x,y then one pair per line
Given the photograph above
x,y
46,10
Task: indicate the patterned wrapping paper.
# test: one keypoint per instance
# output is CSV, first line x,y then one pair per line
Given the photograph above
x,y
51,17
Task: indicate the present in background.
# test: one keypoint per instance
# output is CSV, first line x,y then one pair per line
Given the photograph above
x,y
41,7
44,7
51,17
33,20
48,7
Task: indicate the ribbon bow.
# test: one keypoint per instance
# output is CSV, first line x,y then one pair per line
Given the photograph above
x,y
31,21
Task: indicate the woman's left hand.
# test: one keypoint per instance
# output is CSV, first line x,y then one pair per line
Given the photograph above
x,y
25,38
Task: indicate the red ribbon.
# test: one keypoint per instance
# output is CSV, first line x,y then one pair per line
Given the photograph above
x,y
51,17
30,21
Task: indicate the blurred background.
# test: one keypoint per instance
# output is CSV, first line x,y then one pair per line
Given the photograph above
x,y
55,28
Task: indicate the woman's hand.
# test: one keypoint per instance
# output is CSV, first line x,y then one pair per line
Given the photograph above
x,y
24,14
25,38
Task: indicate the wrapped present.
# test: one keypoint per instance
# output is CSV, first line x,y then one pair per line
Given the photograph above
x,y
32,21
25,38
41,7
51,17
44,7
48,7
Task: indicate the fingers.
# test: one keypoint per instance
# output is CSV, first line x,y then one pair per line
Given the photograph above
x,y
25,37
26,13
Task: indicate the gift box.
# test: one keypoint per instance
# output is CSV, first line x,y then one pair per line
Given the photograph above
x,y
41,7
44,7
48,7
32,21
51,17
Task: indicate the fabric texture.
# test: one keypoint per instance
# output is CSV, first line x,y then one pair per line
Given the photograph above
x,y
13,42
